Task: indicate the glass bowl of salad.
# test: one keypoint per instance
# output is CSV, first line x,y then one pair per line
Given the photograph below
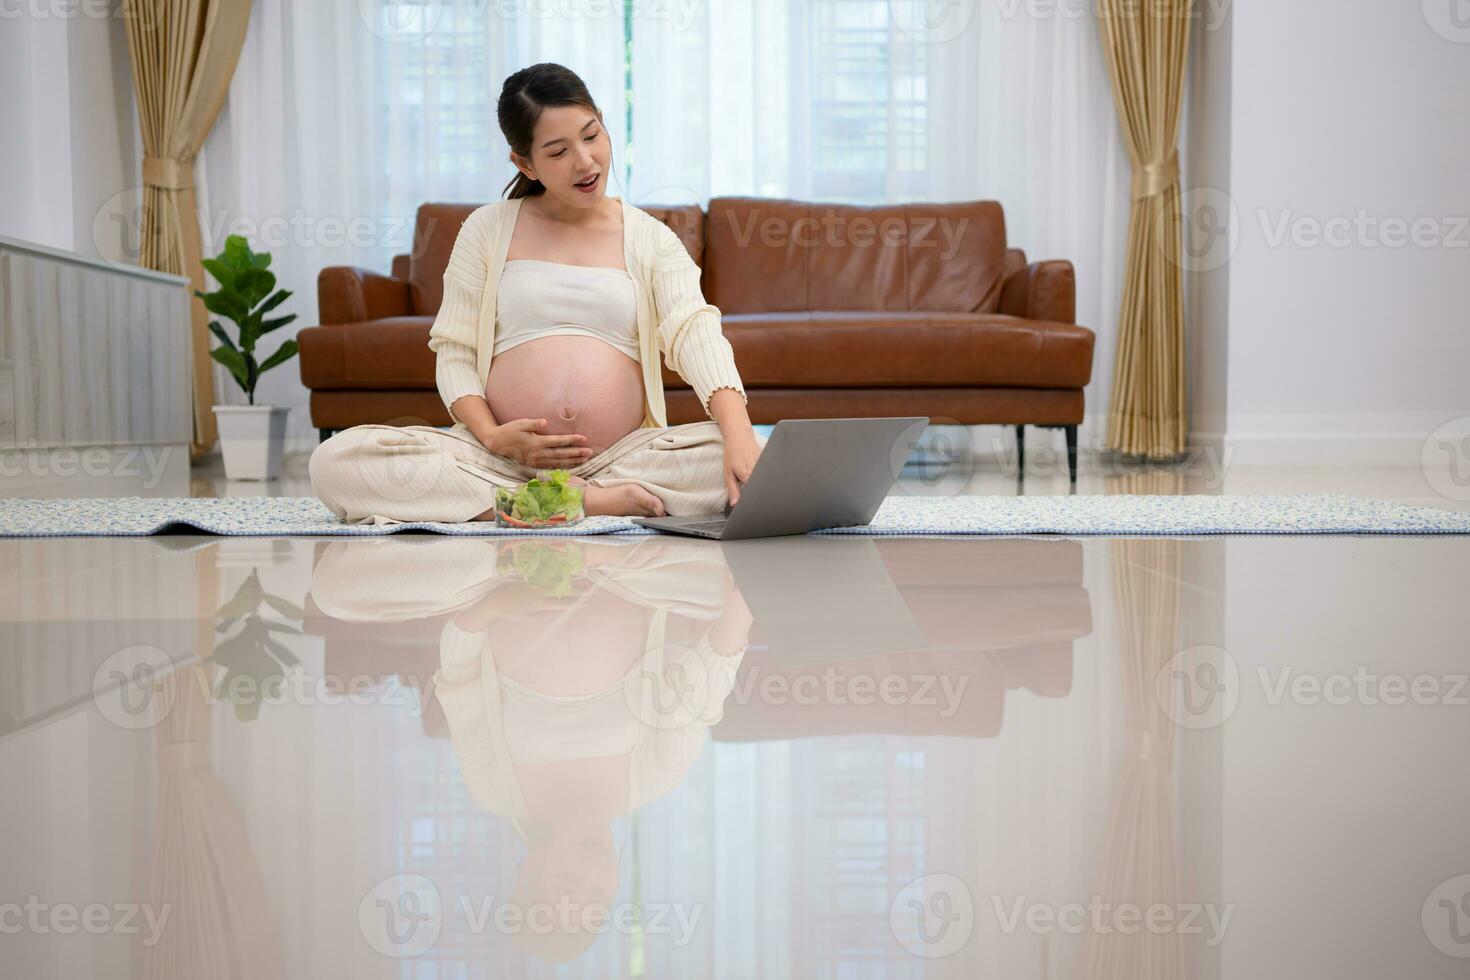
x,y
548,501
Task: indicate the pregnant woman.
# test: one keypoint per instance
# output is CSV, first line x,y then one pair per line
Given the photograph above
x,y
558,302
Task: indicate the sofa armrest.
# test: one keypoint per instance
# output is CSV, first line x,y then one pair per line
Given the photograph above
x,y
347,294
1040,291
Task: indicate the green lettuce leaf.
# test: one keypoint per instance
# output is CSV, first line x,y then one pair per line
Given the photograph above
x,y
542,499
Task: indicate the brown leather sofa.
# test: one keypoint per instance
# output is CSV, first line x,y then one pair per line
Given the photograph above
x,y
833,311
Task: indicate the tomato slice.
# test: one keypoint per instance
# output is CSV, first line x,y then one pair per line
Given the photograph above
x,y
513,522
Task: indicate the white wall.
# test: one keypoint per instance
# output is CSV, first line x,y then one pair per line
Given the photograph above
x,y
1354,352
71,134
1205,158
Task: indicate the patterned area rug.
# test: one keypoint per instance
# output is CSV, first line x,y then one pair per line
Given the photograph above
x,y
1073,515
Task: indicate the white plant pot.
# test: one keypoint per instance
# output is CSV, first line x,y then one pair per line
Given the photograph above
x,y
253,439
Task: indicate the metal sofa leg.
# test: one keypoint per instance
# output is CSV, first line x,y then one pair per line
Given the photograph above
x,y
1072,453
1021,450
324,434
1071,434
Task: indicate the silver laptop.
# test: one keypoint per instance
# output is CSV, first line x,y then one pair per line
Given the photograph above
x,y
812,473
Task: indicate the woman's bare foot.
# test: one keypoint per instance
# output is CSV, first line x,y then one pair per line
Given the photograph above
x,y
629,500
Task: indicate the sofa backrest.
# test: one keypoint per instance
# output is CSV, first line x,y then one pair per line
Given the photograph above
x,y
437,226
434,232
771,255
762,255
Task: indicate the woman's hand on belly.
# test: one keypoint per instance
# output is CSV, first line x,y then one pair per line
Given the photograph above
x,y
525,441
579,385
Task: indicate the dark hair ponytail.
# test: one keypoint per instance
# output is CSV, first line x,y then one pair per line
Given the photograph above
x,y
522,98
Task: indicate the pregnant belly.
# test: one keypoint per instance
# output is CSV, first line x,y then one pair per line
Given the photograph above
x,y
577,384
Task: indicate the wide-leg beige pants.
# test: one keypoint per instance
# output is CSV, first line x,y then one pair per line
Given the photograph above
x,y
387,474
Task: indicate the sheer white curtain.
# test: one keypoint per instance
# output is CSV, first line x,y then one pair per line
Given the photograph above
x,y
344,117
875,101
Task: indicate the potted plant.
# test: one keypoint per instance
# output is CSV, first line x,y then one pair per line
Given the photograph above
x,y
252,436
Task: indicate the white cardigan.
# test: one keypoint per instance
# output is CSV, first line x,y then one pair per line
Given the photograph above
x,y
673,318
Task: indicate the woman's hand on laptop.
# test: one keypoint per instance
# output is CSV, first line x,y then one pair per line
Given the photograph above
x,y
741,452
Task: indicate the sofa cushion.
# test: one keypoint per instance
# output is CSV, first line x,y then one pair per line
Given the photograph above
x,y
770,255
772,350
867,349
391,353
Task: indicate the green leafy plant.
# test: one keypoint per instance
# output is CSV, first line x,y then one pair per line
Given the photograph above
x,y
247,292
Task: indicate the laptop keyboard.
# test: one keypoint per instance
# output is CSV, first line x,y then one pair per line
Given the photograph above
x,y
705,525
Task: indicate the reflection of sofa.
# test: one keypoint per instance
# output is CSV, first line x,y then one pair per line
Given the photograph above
x,y
832,310
999,614
408,651
386,647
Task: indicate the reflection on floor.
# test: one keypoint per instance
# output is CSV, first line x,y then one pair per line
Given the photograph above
x,y
665,757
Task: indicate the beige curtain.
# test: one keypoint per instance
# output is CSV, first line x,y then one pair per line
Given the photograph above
x,y
1146,46
183,54
204,867
1139,865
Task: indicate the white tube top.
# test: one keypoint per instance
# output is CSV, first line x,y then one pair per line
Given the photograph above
x,y
537,299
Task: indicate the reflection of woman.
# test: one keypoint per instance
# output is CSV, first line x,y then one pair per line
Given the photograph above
x,y
567,712
558,304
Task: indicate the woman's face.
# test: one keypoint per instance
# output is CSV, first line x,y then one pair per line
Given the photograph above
x,y
569,146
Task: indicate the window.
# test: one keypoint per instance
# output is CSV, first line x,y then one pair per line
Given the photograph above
x,y
869,90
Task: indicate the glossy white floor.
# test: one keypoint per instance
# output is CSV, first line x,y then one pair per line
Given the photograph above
x,y
1021,758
